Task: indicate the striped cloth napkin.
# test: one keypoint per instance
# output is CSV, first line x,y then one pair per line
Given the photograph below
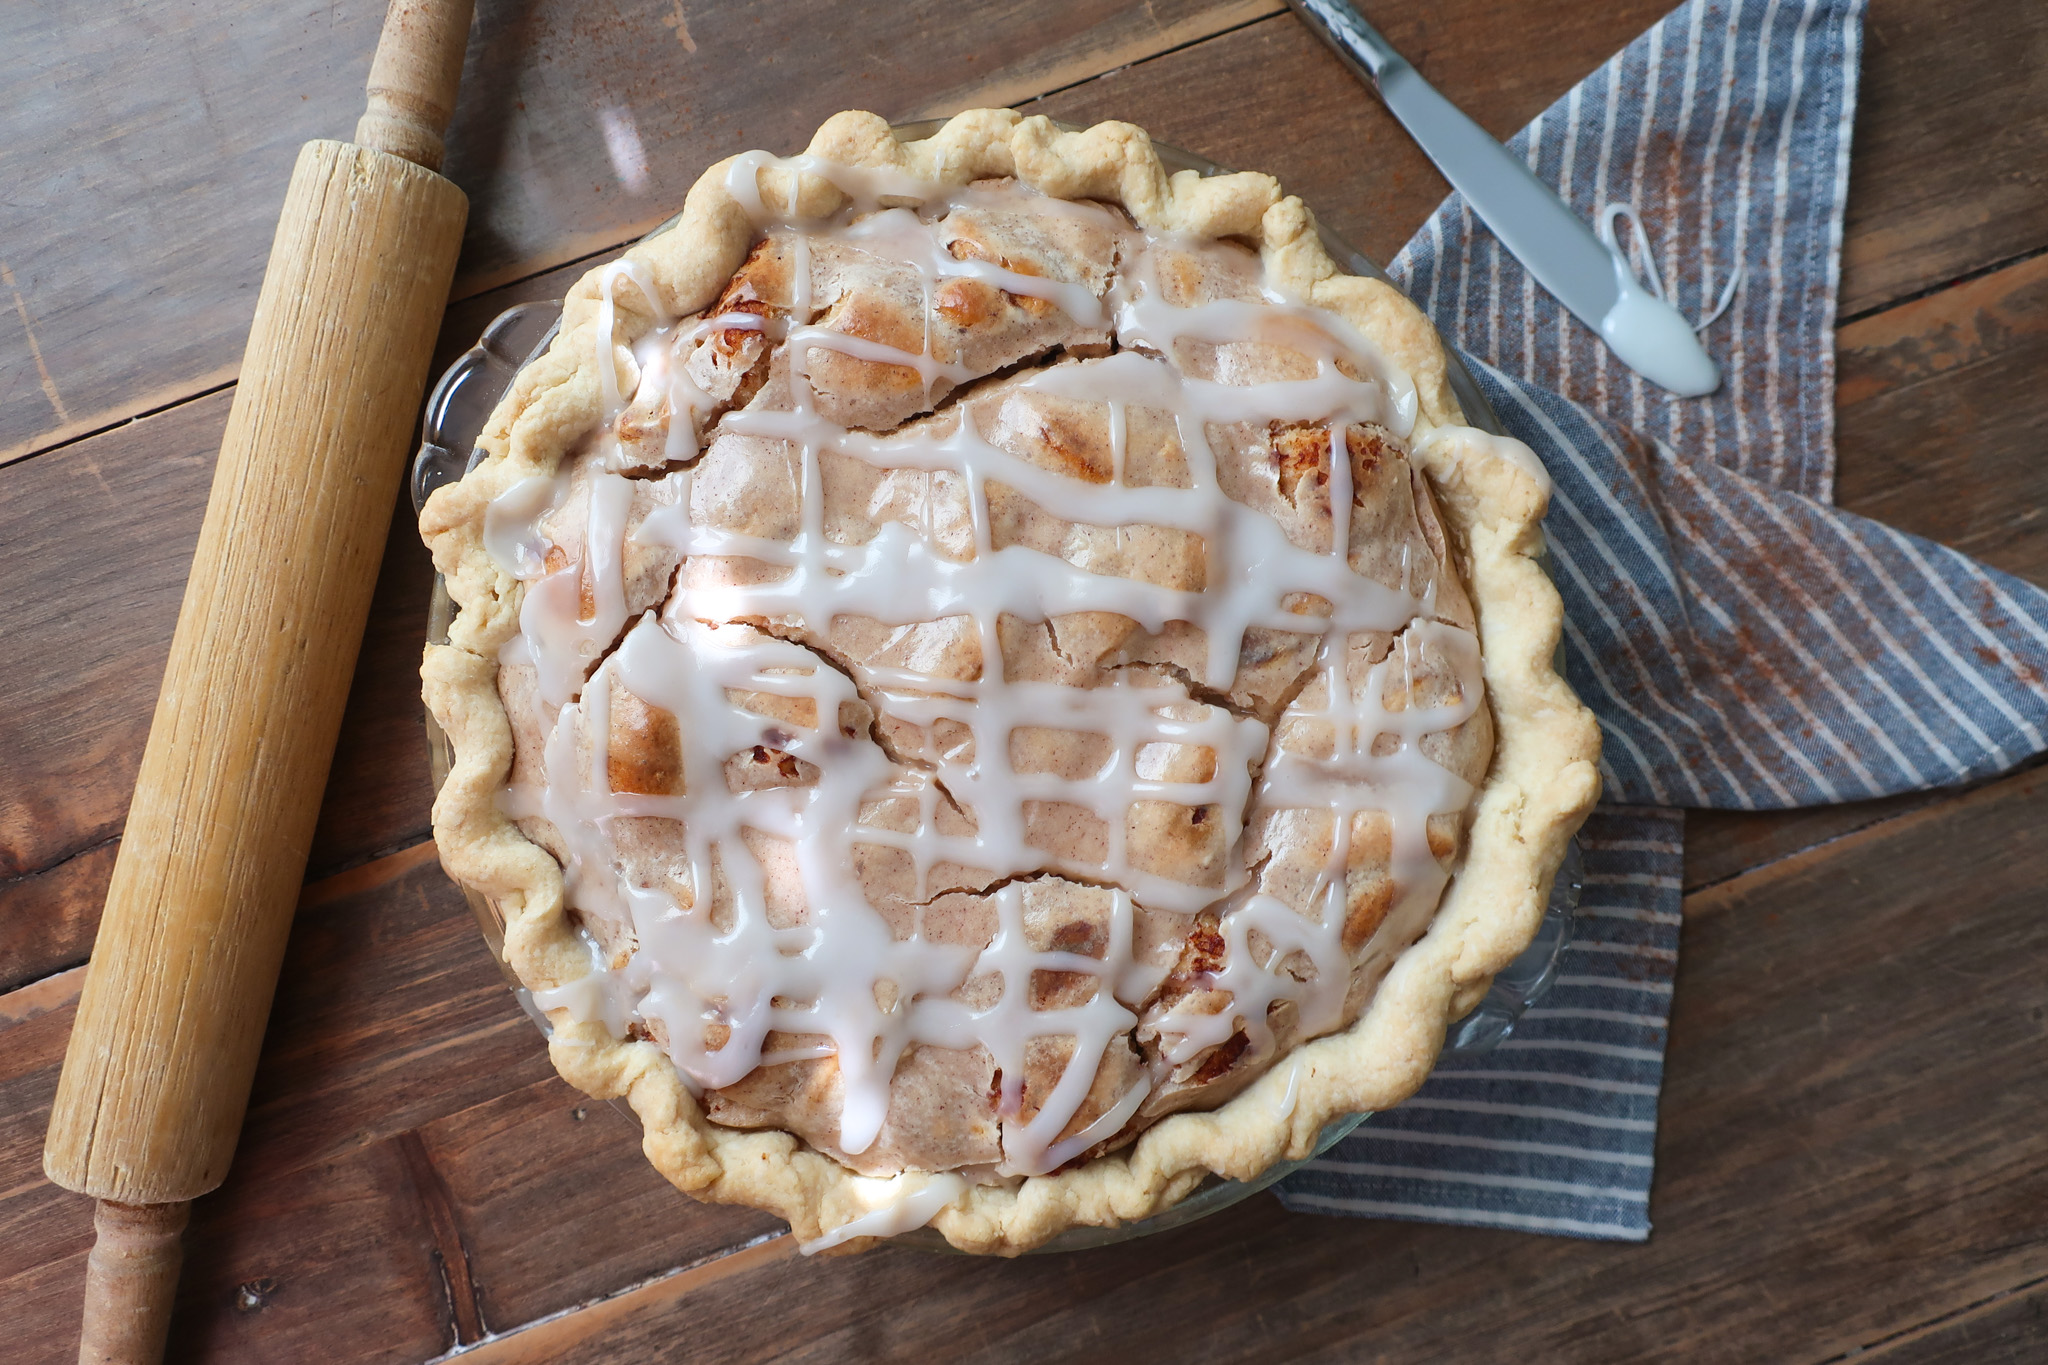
x,y
1745,644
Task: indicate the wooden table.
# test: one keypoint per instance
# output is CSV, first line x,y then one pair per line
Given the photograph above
x,y
1852,1158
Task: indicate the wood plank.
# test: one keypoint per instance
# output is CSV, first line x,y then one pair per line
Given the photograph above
x,y
330,1261
133,252
389,1014
1856,1072
48,917
1083,54
88,631
1948,175
1940,417
1856,1048
40,1224
548,1341
1720,844
336,1261
1271,97
544,1168
2011,1329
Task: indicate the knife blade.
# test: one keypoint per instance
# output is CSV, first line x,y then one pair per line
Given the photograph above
x,y
1593,281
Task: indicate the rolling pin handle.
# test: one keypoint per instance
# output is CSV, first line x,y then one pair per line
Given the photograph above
x,y
413,79
131,1278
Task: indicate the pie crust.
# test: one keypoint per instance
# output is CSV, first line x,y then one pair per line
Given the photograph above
x,y
1539,783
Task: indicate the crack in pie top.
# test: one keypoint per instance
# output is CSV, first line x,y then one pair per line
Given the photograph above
x,y
992,683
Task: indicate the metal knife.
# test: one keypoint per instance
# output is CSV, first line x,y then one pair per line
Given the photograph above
x,y
1558,248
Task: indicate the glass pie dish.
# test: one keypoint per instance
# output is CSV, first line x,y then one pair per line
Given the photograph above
x,y
456,412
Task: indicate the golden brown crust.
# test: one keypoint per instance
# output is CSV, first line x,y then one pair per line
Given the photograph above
x,y
1541,782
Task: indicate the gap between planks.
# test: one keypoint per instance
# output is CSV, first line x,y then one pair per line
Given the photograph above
x,y
1718,895
547,1338
1854,818
451,1252
1915,295
1017,91
61,988
151,404
1898,1344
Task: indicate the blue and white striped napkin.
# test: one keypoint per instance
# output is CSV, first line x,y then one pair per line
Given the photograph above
x,y
1744,643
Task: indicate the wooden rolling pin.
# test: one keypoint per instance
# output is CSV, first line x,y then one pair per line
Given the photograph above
x,y
157,1075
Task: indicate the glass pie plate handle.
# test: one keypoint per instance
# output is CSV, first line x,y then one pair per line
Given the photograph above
x,y
456,411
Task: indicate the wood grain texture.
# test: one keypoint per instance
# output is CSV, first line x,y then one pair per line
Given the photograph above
x,y
131,1280
390,1014
333,1260
88,633
602,1325
451,1250
390,1017
414,77
1948,175
45,1232
133,249
1720,844
1941,413
48,917
41,1226
546,1156
2010,1329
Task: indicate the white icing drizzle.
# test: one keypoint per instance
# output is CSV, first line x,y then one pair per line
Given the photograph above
x,y
553,634
900,1213
1290,1097
607,322
1405,782
842,984
511,538
594,995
